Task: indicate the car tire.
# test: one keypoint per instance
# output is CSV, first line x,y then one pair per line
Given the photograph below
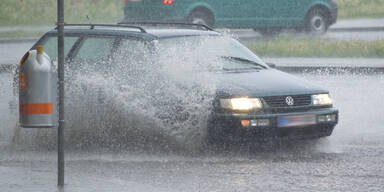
x,y
201,17
317,22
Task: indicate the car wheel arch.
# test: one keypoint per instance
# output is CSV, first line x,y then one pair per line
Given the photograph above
x,y
201,8
321,7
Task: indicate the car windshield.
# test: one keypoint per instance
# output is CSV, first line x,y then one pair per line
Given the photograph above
x,y
216,52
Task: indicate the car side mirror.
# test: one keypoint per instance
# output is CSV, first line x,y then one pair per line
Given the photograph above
x,y
272,65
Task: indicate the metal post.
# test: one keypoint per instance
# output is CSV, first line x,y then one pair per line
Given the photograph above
x,y
60,131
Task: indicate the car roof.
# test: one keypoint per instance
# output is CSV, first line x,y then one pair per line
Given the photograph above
x,y
140,31
167,33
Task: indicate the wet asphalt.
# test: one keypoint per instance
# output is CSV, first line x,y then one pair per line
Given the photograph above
x,y
352,159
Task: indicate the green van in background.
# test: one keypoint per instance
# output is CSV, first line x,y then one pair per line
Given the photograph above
x,y
265,16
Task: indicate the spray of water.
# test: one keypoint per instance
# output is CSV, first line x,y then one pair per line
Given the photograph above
x,y
158,98
7,119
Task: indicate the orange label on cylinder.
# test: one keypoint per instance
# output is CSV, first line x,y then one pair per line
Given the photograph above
x,y
23,81
36,108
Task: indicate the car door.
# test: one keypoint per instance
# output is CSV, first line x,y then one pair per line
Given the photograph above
x,y
227,12
271,13
89,69
253,12
281,13
132,55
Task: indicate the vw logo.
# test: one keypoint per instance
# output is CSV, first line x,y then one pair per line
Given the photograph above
x,y
289,100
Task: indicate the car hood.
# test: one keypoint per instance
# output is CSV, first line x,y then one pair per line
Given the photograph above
x,y
268,82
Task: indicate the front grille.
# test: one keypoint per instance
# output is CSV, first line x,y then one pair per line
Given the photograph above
x,y
280,101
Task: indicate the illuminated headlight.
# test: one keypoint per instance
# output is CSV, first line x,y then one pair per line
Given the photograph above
x,y
242,104
321,99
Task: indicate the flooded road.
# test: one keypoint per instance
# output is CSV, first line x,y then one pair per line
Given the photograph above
x,y
350,160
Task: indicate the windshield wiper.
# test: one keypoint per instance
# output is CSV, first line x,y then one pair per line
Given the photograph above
x,y
246,61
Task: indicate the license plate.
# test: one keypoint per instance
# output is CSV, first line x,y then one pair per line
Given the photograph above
x,y
296,120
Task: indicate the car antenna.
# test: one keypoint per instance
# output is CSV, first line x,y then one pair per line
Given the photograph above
x,y
89,20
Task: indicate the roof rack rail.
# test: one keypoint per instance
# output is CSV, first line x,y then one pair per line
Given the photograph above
x,y
199,26
92,26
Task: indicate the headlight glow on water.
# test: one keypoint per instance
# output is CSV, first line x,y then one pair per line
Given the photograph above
x,y
322,99
242,104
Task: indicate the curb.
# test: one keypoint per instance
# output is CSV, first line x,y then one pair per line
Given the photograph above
x,y
356,29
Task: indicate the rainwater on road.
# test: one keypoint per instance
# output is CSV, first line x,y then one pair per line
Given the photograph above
x,y
350,160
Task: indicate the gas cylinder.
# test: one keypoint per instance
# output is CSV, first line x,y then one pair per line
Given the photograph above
x,y
36,105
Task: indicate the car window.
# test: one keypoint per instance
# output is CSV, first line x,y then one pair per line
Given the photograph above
x,y
134,55
94,49
50,46
202,48
131,50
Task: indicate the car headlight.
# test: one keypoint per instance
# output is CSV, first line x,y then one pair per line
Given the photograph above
x,y
321,99
241,104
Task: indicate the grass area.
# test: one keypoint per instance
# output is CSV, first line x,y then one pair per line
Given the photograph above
x,y
360,8
44,12
18,34
284,47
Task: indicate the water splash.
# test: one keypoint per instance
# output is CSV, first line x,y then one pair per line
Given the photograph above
x,y
141,98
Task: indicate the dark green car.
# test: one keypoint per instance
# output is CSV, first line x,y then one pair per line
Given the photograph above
x,y
250,99
265,16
